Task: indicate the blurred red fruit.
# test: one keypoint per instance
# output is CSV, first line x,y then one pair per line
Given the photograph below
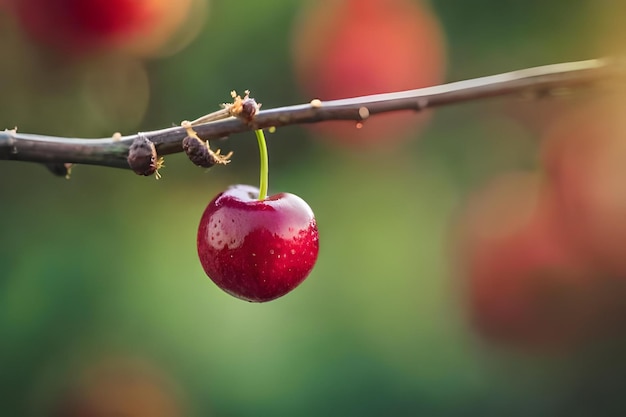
x,y
121,387
585,158
526,286
347,48
77,27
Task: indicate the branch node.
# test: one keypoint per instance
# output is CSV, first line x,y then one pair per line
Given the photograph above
x,y
316,103
11,141
244,108
60,170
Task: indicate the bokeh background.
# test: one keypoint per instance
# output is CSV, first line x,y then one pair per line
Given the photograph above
x,y
103,299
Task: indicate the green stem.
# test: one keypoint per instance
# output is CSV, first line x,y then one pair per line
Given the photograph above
x,y
264,164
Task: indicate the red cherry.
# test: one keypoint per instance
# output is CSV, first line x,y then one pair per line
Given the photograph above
x,y
527,286
257,250
357,47
77,27
122,386
585,159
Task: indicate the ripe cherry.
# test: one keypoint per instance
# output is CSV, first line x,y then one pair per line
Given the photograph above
x,y
117,385
584,154
79,27
257,250
527,287
254,247
349,48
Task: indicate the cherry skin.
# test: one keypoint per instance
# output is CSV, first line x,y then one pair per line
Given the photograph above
x,y
257,250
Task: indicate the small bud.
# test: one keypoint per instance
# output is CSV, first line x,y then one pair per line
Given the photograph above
x,y
249,108
61,169
143,158
245,108
316,103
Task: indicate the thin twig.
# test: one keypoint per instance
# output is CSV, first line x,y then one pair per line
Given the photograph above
x,y
112,152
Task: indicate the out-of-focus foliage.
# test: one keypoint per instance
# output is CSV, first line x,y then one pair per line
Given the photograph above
x,y
103,268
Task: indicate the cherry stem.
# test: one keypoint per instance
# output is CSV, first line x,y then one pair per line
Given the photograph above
x,y
264,164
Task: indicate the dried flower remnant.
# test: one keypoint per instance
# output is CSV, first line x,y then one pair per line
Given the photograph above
x,y
245,108
199,151
142,157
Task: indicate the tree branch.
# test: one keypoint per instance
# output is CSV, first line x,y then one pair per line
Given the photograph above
x,y
112,152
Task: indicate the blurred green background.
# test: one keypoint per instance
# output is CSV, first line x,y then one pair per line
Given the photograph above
x,y
105,264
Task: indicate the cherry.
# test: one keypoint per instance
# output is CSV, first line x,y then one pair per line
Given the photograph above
x,y
527,286
254,247
584,154
257,250
118,385
78,27
350,48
